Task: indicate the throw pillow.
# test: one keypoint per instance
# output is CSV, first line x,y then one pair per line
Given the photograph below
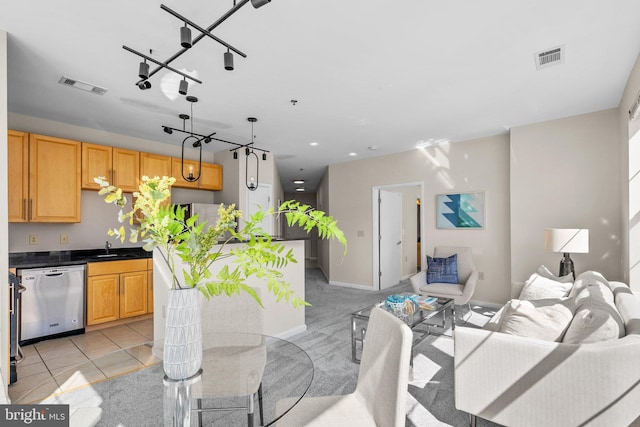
x,y
442,270
545,272
592,325
545,319
538,287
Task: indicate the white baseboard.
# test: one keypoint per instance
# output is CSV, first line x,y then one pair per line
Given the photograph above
x,y
352,286
486,304
291,332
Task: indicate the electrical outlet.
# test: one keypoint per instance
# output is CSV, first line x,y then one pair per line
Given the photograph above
x,y
33,239
481,275
64,239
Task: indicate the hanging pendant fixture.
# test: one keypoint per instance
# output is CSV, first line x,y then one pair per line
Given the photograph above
x,y
251,180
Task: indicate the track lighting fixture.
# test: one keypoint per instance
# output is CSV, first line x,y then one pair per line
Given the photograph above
x,y
167,130
143,70
228,60
259,3
247,151
235,154
186,42
264,156
185,37
144,85
184,86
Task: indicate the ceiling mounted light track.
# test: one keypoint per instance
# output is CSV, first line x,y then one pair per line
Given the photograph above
x,y
186,42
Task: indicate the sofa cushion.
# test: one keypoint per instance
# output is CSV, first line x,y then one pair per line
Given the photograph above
x,y
629,307
545,272
545,319
538,287
442,270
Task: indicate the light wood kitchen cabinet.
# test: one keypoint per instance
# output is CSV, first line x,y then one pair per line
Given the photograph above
x,y
116,290
210,179
150,282
44,178
18,179
119,166
154,165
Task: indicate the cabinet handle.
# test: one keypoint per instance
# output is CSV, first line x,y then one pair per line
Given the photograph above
x,y
25,213
113,177
30,216
11,297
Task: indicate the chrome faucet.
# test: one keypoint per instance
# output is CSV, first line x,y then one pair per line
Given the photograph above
x,y
107,246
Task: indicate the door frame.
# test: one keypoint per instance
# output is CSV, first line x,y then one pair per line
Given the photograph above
x,y
375,223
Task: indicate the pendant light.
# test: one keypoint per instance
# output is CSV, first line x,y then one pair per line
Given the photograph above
x,y
251,181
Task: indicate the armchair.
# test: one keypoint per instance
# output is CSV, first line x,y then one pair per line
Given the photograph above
x,y
467,277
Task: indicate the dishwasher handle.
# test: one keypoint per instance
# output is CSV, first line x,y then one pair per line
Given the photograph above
x,y
54,274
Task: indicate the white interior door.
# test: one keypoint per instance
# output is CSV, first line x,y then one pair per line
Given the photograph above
x,y
390,237
261,198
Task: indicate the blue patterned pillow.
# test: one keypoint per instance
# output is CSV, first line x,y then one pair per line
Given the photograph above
x,y
442,270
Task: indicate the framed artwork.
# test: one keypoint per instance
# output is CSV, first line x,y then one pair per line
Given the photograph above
x,y
462,211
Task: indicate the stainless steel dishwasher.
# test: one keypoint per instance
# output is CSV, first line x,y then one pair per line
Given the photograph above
x,y
52,302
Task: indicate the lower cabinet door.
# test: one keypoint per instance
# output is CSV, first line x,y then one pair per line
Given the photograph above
x,y
103,302
133,294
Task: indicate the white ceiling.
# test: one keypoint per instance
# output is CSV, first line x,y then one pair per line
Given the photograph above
x,y
366,73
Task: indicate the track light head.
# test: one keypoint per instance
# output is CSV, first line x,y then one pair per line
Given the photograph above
x,y
185,37
207,140
259,3
143,70
235,155
167,130
196,144
247,151
264,156
144,85
184,86
228,60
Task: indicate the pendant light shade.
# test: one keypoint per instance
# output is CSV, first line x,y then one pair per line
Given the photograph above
x,y
185,37
184,86
228,60
143,70
259,3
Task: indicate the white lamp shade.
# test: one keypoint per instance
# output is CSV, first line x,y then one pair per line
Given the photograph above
x,y
572,240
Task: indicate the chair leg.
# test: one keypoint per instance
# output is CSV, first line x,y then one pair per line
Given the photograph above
x,y
250,414
260,405
199,406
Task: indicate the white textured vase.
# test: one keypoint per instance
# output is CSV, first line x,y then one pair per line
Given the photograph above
x,y
182,355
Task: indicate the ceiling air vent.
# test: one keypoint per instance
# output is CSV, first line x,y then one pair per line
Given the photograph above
x,y
549,57
82,85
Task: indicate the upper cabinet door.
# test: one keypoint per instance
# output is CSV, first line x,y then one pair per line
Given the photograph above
x,y
18,179
54,179
96,161
211,177
126,169
154,165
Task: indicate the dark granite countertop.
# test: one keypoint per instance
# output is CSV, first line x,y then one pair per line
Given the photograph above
x,y
83,256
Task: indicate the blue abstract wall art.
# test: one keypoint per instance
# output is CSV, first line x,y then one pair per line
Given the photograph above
x,y
460,211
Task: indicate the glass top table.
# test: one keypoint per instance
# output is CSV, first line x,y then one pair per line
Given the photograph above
x,y
360,318
131,389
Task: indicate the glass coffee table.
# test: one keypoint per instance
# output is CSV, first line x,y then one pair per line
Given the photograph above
x,y
360,318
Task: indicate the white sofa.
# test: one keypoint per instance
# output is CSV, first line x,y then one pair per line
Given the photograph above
x,y
517,380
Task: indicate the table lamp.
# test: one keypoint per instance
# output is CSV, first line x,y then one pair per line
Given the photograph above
x,y
566,240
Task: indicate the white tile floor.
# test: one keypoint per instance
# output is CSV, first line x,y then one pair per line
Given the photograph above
x,y
47,359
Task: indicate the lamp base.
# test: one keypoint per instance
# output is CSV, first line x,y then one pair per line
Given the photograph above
x,y
566,266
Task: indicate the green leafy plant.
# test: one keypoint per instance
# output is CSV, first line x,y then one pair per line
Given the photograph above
x,y
157,223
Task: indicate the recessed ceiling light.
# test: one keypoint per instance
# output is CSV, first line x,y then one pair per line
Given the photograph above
x,y
300,189
313,144
298,181
353,154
